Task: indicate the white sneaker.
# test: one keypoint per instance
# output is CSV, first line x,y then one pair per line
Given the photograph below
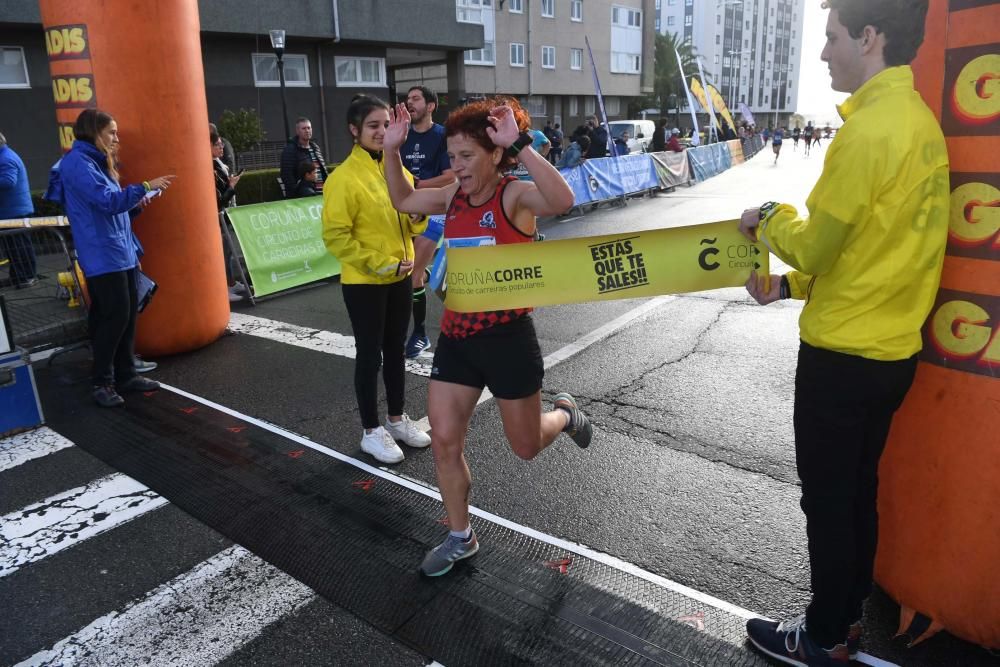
x,y
407,433
238,288
380,444
234,297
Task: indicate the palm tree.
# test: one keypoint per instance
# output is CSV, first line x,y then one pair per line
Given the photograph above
x,y
667,76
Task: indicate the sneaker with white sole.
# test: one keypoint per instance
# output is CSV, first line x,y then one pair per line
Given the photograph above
x,y
578,428
406,432
380,444
443,557
238,288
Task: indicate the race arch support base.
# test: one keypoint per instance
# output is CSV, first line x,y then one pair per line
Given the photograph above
x,y
939,500
142,63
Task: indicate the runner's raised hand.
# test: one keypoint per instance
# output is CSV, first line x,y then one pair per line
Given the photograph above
x,y
399,126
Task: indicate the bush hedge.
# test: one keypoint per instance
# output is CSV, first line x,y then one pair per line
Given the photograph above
x,y
258,186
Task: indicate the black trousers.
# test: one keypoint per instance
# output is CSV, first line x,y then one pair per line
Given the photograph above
x,y
17,247
111,320
844,406
380,317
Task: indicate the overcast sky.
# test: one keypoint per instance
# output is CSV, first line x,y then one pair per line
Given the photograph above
x,y
816,99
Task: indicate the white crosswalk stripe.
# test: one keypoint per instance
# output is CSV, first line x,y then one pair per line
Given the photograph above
x,y
23,447
198,618
62,521
317,340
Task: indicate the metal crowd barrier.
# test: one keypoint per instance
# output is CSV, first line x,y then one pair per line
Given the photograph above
x,y
38,284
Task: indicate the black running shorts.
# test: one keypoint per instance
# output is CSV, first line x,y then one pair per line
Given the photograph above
x,y
505,358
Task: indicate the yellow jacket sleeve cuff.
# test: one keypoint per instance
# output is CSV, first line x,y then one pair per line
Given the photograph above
x,y
798,284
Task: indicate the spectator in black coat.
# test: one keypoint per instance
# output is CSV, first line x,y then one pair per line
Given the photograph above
x,y
301,148
598,138
659,142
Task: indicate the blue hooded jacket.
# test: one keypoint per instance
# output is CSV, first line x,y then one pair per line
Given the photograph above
x,y
97,208
15,196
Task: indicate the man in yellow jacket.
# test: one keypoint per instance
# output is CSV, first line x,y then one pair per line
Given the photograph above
x,y
867,261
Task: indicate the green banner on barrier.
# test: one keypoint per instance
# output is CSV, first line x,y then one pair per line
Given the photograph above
x,y
282,243
601,268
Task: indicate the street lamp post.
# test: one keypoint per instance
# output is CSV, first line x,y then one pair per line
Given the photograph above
x,y
278,44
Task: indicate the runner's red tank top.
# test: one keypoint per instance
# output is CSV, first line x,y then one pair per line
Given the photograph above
x,y
464,220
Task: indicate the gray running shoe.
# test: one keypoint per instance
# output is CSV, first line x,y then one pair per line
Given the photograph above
x,y
442,558
579,427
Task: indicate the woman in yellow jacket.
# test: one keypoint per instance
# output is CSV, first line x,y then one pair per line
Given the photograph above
x,y
374,244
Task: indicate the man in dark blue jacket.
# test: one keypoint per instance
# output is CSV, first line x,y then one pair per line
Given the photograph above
x,y
15,202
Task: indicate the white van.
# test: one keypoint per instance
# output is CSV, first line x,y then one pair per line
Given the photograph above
x,y
640,133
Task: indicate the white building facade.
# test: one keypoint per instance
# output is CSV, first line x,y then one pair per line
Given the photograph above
x,y
750,49
535,50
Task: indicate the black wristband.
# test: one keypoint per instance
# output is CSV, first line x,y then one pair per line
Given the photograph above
x,y
525,139
785,290
765,209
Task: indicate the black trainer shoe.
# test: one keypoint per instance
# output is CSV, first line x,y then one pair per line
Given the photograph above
x,y
790,643
138,383
579,427
106,397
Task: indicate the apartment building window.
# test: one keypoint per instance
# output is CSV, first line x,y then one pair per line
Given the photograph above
x,y
626,17
535,105
14,68
687,20
574,105
575,60
549,8
470,11
265,70
671,3
625,63
657,5
612,106
548,57
483,56
516,6
590,106
718,39
670,20
576,10
516,55
657,24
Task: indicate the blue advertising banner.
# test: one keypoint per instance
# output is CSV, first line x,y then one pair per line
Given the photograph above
x,y
710,160
637,173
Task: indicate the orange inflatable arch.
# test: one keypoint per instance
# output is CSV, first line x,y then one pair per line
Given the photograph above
x,y
141,62
939,500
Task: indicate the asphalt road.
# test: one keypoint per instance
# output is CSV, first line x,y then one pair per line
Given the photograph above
x,y
690,476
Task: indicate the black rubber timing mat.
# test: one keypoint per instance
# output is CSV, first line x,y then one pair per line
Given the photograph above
x,y
357,540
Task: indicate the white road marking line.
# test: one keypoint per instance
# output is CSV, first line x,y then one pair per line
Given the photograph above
x,y
198,618
318,340
423,489
62,521
873,661
430,492
33,444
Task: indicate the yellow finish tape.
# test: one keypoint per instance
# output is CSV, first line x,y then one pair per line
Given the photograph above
x,y
602,268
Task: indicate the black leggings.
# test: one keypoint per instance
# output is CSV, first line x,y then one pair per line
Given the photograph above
x,y
380,317
111,320
844,406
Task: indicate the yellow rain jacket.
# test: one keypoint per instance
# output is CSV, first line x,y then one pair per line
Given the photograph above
x,y
360,226
869,255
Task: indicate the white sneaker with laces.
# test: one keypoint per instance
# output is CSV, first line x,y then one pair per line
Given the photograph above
x,y
380,444
407,433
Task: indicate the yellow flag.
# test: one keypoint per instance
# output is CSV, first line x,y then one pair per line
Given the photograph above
x,y
602,268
